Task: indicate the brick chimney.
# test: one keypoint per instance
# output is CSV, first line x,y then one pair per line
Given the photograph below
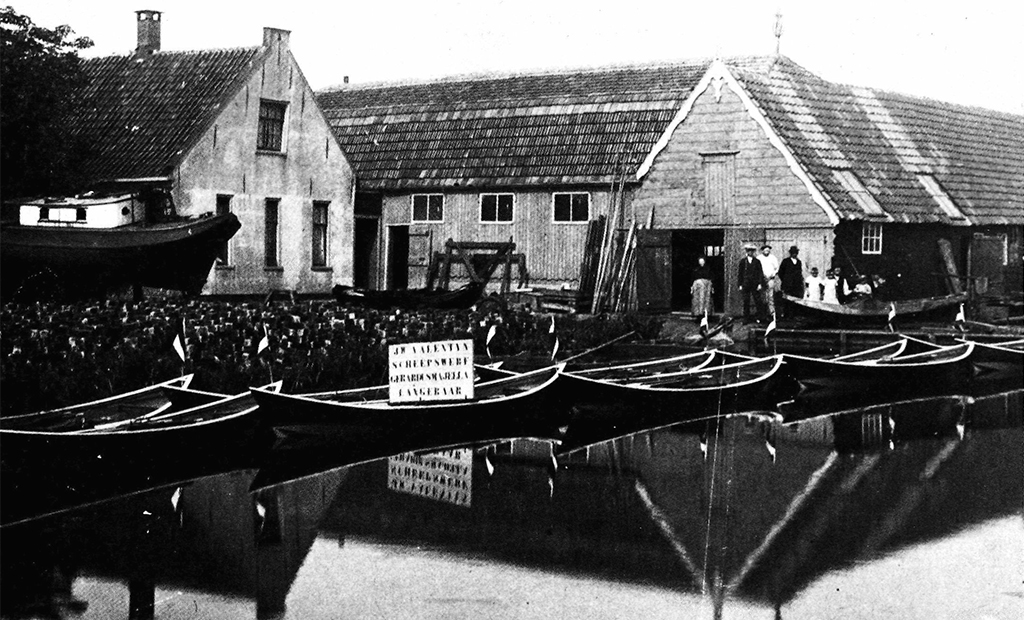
x,y
149,31
275,35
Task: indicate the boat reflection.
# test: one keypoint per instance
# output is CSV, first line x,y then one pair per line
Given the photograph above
x,y
741,511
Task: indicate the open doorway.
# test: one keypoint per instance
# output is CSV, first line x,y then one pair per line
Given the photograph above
x,y
687,247
398,257
365,252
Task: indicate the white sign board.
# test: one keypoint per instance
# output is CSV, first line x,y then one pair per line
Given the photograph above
x,y
430,371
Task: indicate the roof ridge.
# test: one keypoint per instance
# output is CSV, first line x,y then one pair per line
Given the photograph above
x,y
240,48
528,73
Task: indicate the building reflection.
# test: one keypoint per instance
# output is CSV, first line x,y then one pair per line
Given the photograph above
x,y
730,508
741,508
210,535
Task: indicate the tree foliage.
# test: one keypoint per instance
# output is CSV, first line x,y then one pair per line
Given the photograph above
x,y
41,85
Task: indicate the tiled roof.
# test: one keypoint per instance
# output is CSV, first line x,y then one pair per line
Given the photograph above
x,y
145,112
887,140
578,127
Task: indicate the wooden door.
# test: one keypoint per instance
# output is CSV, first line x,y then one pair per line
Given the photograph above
x,y
654,270
986,260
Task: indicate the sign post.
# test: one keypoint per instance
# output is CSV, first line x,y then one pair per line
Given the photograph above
x,y
430,371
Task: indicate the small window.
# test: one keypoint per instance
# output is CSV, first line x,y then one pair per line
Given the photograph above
x,y
44,213
496,207
271,127
871,238
572,207
271,232
80,214
428,208
320,233
224,252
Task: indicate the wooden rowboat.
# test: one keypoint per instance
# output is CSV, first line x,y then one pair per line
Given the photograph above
x,y
829,385
507,407
602,409
43,471
869,309
148,401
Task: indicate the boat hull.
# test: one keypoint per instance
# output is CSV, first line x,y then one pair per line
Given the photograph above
x,y
43,472
535,411
828,386
604,409
82,261
875,311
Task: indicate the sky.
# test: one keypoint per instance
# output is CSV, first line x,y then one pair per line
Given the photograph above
x,y
967,52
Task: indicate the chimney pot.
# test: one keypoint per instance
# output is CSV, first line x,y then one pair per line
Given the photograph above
x,y
148,30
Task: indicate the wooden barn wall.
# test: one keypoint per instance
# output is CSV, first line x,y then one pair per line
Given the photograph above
x,y
767,192
310,167
554,250
763,201
911,261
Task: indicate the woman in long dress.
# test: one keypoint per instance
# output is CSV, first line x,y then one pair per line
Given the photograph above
x,y
701,290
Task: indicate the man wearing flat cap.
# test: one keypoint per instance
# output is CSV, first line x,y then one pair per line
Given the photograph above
x,y
770,268
791,274
751,281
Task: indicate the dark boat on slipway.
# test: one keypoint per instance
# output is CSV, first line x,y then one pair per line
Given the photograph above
x,y
91,244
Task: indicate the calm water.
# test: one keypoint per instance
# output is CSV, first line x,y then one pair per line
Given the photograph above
x,y
909,511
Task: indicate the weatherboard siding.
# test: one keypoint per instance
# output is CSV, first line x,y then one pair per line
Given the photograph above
x,y
554,250
767,191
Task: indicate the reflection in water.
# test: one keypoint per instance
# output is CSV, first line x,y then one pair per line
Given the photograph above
x,y
727,517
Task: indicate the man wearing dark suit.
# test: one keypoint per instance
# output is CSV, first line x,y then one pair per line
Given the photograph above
x,y
751,281
791,275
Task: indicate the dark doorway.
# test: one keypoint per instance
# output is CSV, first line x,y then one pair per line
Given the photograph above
x,y
365,252
687,247
398,257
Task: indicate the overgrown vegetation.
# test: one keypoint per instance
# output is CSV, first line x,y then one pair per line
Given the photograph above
x,y
60,354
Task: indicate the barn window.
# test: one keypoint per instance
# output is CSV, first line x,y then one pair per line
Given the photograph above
x,y
572,207
320,233
270,134
496,207
428,208
871,238
271,234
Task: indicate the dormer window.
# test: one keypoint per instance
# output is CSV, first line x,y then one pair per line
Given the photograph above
x,y
270,135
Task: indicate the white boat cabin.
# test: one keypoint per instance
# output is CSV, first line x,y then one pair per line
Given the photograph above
x,y
84,212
